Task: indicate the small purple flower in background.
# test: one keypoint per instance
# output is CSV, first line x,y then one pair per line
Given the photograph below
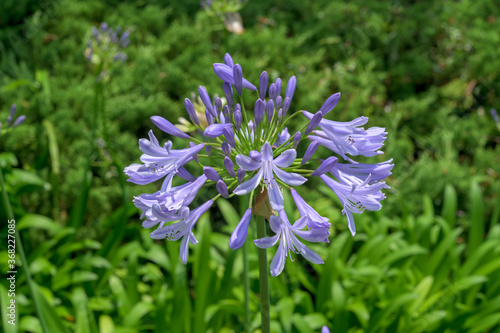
x,y
496,119
246,149
325,329
105,49
10,123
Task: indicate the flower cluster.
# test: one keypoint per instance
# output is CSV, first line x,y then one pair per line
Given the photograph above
x,y
105,48
244,152
10,123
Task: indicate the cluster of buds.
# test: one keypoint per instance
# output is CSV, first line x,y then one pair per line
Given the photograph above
x,y
105,49
242,152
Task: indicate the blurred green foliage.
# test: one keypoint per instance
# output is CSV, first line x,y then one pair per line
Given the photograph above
x,y
427,71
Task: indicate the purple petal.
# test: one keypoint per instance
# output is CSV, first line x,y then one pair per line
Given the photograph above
x,y
249,185
266,242
239,234
305,251
167,127
286,158
259,110
184,249
186,175
278,262
275,196
289,178
266,152
247,163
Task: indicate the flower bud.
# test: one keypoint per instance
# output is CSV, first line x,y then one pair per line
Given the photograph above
x,y
210,118
229,135
273,91
240,175
222,188
237,119
270,110
229,165
226,149
238,79
326,166
13,109
296,139
330,103
208,149
228,92
206,100
290,88
195,156
228,60
255,155
191,112
309,152
226,112
263,85
259,110
286,105
211,174
278,101
218,104
314,122
278,86
239,235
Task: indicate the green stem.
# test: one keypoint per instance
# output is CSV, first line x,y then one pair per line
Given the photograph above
x,y
246,276
10,216
263,279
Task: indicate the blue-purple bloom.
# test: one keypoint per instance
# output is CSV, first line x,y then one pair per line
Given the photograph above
x,y
287,234
265,156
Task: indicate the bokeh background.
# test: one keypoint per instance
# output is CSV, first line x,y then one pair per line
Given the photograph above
x,y
427,71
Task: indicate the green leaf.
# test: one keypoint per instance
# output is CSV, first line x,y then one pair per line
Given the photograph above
x,y
35,221
476,231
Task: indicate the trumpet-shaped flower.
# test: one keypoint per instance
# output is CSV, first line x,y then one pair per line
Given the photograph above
x,y
287,235
267,167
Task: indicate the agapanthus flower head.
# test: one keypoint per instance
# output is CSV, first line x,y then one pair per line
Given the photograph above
x,y
243,147
105,49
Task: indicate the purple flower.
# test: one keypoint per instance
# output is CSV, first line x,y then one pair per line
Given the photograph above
x,y
314,220
325,329
265,156
158,161
268,167
287,234
348,137
356,196
183,229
